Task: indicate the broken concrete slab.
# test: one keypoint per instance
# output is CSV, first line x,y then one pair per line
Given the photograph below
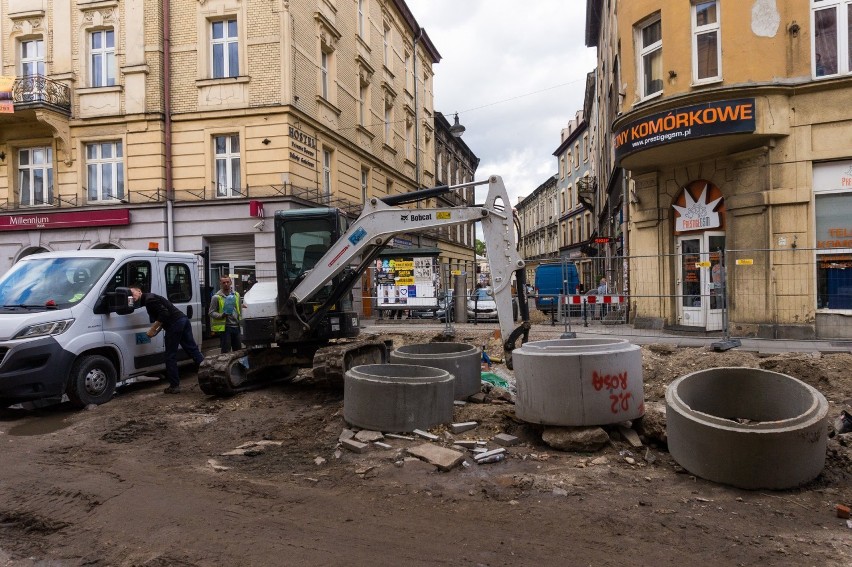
x,y
425,435
216,466
630,436
354,446
398,436
463,426
443,458
478,398
345,434
467,443
368,436
583,439
506,440
499,451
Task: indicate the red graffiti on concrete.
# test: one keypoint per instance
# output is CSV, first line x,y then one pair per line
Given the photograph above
x,y
613,382
609,381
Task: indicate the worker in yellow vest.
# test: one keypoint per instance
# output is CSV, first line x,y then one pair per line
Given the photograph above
x,y
226,307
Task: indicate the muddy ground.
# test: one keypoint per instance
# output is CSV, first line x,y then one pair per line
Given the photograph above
x,y
143,480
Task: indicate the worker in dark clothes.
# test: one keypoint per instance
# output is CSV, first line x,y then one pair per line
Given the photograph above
x,y
164,315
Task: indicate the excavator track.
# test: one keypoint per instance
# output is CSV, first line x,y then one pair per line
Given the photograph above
x,y
332,362
249,369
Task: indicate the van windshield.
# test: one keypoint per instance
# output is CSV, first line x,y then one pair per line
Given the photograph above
x,y
50,283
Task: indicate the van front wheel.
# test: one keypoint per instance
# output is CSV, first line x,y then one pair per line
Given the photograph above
x,y
92,381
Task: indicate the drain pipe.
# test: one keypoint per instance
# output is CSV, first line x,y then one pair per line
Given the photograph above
x,y
417,36
167,109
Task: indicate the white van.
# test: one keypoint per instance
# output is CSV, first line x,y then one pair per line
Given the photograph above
x,y
60,328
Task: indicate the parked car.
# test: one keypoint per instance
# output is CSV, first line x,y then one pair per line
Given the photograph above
x,y
481,305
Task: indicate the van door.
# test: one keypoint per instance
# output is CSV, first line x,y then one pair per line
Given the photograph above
x,y
139,353
182,290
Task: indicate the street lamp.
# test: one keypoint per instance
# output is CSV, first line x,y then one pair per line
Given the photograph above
x,y
457,129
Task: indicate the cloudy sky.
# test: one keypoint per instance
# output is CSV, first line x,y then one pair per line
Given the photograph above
x,y
515,73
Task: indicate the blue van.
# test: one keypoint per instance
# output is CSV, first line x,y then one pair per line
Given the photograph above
x,y
553,279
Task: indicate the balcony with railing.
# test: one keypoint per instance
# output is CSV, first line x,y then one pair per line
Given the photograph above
x,y
36,91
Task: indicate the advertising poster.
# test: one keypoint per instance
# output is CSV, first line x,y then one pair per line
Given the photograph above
x,y
406,282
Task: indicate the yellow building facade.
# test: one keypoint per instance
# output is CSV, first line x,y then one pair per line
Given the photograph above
x,y
733,124
187,122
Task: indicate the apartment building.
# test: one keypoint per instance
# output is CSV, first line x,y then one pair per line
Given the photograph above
x,y
727,122
538,214
189,123
577,226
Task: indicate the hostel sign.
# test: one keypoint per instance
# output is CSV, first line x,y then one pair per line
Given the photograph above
x,y
687,123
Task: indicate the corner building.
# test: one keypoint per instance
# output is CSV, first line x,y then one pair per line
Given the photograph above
x,y
733,123
189,122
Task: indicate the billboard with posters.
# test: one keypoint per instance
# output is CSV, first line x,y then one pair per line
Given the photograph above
x,y
6,104
407,282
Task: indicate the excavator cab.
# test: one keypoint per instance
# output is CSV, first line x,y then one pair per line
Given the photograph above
x,y
302,237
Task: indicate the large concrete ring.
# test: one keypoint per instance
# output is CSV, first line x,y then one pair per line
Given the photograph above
x,y
747,427
397,397
462,360
579,382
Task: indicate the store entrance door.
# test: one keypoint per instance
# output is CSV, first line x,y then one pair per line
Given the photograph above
x,y
700,280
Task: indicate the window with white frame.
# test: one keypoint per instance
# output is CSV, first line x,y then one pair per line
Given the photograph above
x,y
105,171
102,53
706,42
576,155
831,42
32,57
32,65
386,46
35,176
363,98
324,65
226,160
326,172
388,124
365,184
362,16
409,77
224,48
409,139
650,40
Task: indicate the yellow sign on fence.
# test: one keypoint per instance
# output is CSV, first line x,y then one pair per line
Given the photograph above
x,y
745,262
702,264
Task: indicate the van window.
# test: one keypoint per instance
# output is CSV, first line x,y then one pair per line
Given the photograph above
x,y
178,283
50,282
135,272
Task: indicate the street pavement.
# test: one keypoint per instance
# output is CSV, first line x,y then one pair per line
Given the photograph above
x,y
548,331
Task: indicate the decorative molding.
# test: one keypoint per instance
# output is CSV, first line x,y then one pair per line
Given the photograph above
x,y
61,133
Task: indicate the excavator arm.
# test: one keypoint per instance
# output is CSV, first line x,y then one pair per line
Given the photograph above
x,y
381,220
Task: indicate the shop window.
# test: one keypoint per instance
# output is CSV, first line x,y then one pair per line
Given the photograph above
x,y
226,157
224,48
834,250
832,37
105,171
706,44
650,40
35,176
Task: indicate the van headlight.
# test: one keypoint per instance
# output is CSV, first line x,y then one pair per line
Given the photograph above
x,y
44,329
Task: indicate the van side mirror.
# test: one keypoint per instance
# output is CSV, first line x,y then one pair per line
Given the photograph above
x,y
121,301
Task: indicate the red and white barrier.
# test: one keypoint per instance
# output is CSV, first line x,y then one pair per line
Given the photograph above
x,y
592,299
